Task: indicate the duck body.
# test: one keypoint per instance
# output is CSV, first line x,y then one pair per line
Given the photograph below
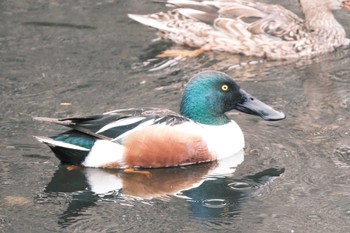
x,y
136,139
154,137
251,28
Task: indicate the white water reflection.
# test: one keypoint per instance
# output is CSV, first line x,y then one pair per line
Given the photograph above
x,y
160,182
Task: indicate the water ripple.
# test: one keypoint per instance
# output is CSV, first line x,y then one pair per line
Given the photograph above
x,y
240,186
341,75
58,24
341,156
215,203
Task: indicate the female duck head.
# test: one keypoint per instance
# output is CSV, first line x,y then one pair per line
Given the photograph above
x,y
208,95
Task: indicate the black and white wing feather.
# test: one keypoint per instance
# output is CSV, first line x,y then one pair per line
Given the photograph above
x,y
116,124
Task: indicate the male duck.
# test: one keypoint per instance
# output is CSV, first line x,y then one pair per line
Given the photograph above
x,y
153,138
250,28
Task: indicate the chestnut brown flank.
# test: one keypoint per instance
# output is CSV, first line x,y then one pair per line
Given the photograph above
x,y
164,146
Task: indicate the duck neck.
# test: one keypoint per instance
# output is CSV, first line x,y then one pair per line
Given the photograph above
x,y
321,23
203,112
320,19
319,14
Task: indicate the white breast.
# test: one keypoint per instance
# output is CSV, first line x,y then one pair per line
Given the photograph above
x,y
223,141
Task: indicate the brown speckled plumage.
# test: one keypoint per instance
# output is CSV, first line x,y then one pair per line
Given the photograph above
x,y
251,28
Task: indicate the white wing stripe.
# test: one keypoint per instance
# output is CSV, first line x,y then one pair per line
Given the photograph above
x,y
121,122
140,126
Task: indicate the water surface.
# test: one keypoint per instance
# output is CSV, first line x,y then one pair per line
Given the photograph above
x,y
70,58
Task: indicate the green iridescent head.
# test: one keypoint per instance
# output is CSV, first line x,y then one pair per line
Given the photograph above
x,y
208,95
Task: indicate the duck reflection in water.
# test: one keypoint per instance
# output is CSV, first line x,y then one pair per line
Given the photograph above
x,y
208,188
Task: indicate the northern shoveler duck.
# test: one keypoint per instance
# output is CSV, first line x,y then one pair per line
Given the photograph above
x,y
153,137
249,28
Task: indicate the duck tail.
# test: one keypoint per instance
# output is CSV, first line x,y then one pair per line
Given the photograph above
x,y
65,152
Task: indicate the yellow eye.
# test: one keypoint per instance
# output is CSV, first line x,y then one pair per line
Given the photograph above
x,y
224,87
